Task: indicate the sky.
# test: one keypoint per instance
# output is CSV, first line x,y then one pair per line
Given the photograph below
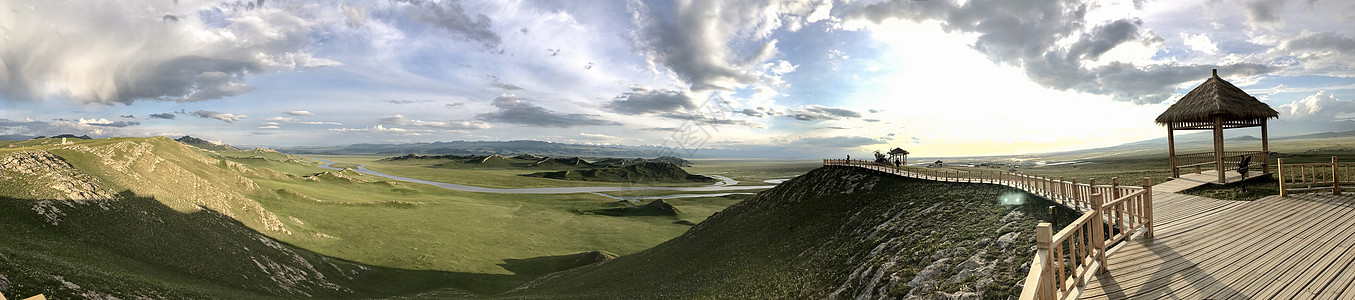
x,y
939,78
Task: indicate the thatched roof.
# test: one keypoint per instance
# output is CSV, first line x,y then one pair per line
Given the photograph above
x,y
898,151
1216,97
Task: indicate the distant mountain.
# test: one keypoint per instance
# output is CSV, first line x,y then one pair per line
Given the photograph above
x,y
508,148
204,144
15,137
69,136
1319,135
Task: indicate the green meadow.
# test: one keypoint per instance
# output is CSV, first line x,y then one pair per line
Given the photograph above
x,y
440,241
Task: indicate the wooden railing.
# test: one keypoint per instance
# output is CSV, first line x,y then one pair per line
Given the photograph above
x,y
1062,259
1205,160
1315,177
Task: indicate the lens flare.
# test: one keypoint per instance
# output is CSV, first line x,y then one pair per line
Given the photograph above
x,y
1011,198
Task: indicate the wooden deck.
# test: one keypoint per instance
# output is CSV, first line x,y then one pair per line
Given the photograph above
x,y
1298,247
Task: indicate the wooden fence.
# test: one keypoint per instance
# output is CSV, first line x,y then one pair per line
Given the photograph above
x,y
1315,177
1205,160
1062,259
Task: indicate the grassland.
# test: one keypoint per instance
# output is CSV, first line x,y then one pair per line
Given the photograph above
x,y
437,242
832,231
443,170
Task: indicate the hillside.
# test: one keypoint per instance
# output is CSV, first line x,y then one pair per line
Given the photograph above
x,y
833,232
152,217
644,172
204,144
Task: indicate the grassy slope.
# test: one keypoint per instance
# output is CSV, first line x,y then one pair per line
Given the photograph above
x,y
473,174
137,247
477,242
806,238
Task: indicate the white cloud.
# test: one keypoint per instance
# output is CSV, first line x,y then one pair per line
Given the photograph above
x,y
225,117
1318,107
1200,42
598,137
400,120
300,113
378,129
115,52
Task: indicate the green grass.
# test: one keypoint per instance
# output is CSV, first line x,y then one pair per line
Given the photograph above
x,y
136,247
485,242
417,226
1251,189
642,193
475,175
803,241
753,171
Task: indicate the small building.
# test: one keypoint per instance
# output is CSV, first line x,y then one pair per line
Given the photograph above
x,y
1216,105
938,164
900,155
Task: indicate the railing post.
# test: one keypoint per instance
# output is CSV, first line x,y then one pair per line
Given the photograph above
x,y
1280,165
1148,206
1335,180
1077,199
1044,241
1098,233
1091,188
1114,188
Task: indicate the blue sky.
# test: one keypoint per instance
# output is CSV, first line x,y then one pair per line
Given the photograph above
x,y
939,78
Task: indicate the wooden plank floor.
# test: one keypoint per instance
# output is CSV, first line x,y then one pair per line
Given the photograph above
x,y
1300,247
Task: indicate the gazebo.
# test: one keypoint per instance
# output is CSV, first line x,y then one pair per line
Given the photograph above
x,y
1216,105
899,154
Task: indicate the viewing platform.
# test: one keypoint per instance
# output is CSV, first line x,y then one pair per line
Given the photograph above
x,y
1187,247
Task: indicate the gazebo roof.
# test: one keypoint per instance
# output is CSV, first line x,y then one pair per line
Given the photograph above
x,y
898,151
1216,97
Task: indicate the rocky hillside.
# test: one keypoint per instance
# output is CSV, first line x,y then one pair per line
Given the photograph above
x,y
832,233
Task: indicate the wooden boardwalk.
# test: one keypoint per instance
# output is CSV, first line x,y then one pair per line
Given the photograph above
x,y
1298,247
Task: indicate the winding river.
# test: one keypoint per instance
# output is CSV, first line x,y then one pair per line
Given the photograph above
x,y
725,184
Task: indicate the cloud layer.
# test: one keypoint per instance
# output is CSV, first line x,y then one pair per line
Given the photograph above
x,y
108,52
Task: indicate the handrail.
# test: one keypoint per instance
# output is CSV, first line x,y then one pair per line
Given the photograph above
x,y
1082,244
1314,176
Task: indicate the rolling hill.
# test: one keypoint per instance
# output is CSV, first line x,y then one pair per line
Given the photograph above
x,y
831,233
155,218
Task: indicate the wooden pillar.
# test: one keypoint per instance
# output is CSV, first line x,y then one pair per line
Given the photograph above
x,y
1098,233
1148,206
1044,243
1114,188
1335,180
1279,169
1265,147
1218,149
1171,148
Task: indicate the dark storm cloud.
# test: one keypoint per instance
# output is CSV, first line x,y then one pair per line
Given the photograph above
x,y
1325,41
1265,11
684,42
1024,34
450,16
517,111
646,101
